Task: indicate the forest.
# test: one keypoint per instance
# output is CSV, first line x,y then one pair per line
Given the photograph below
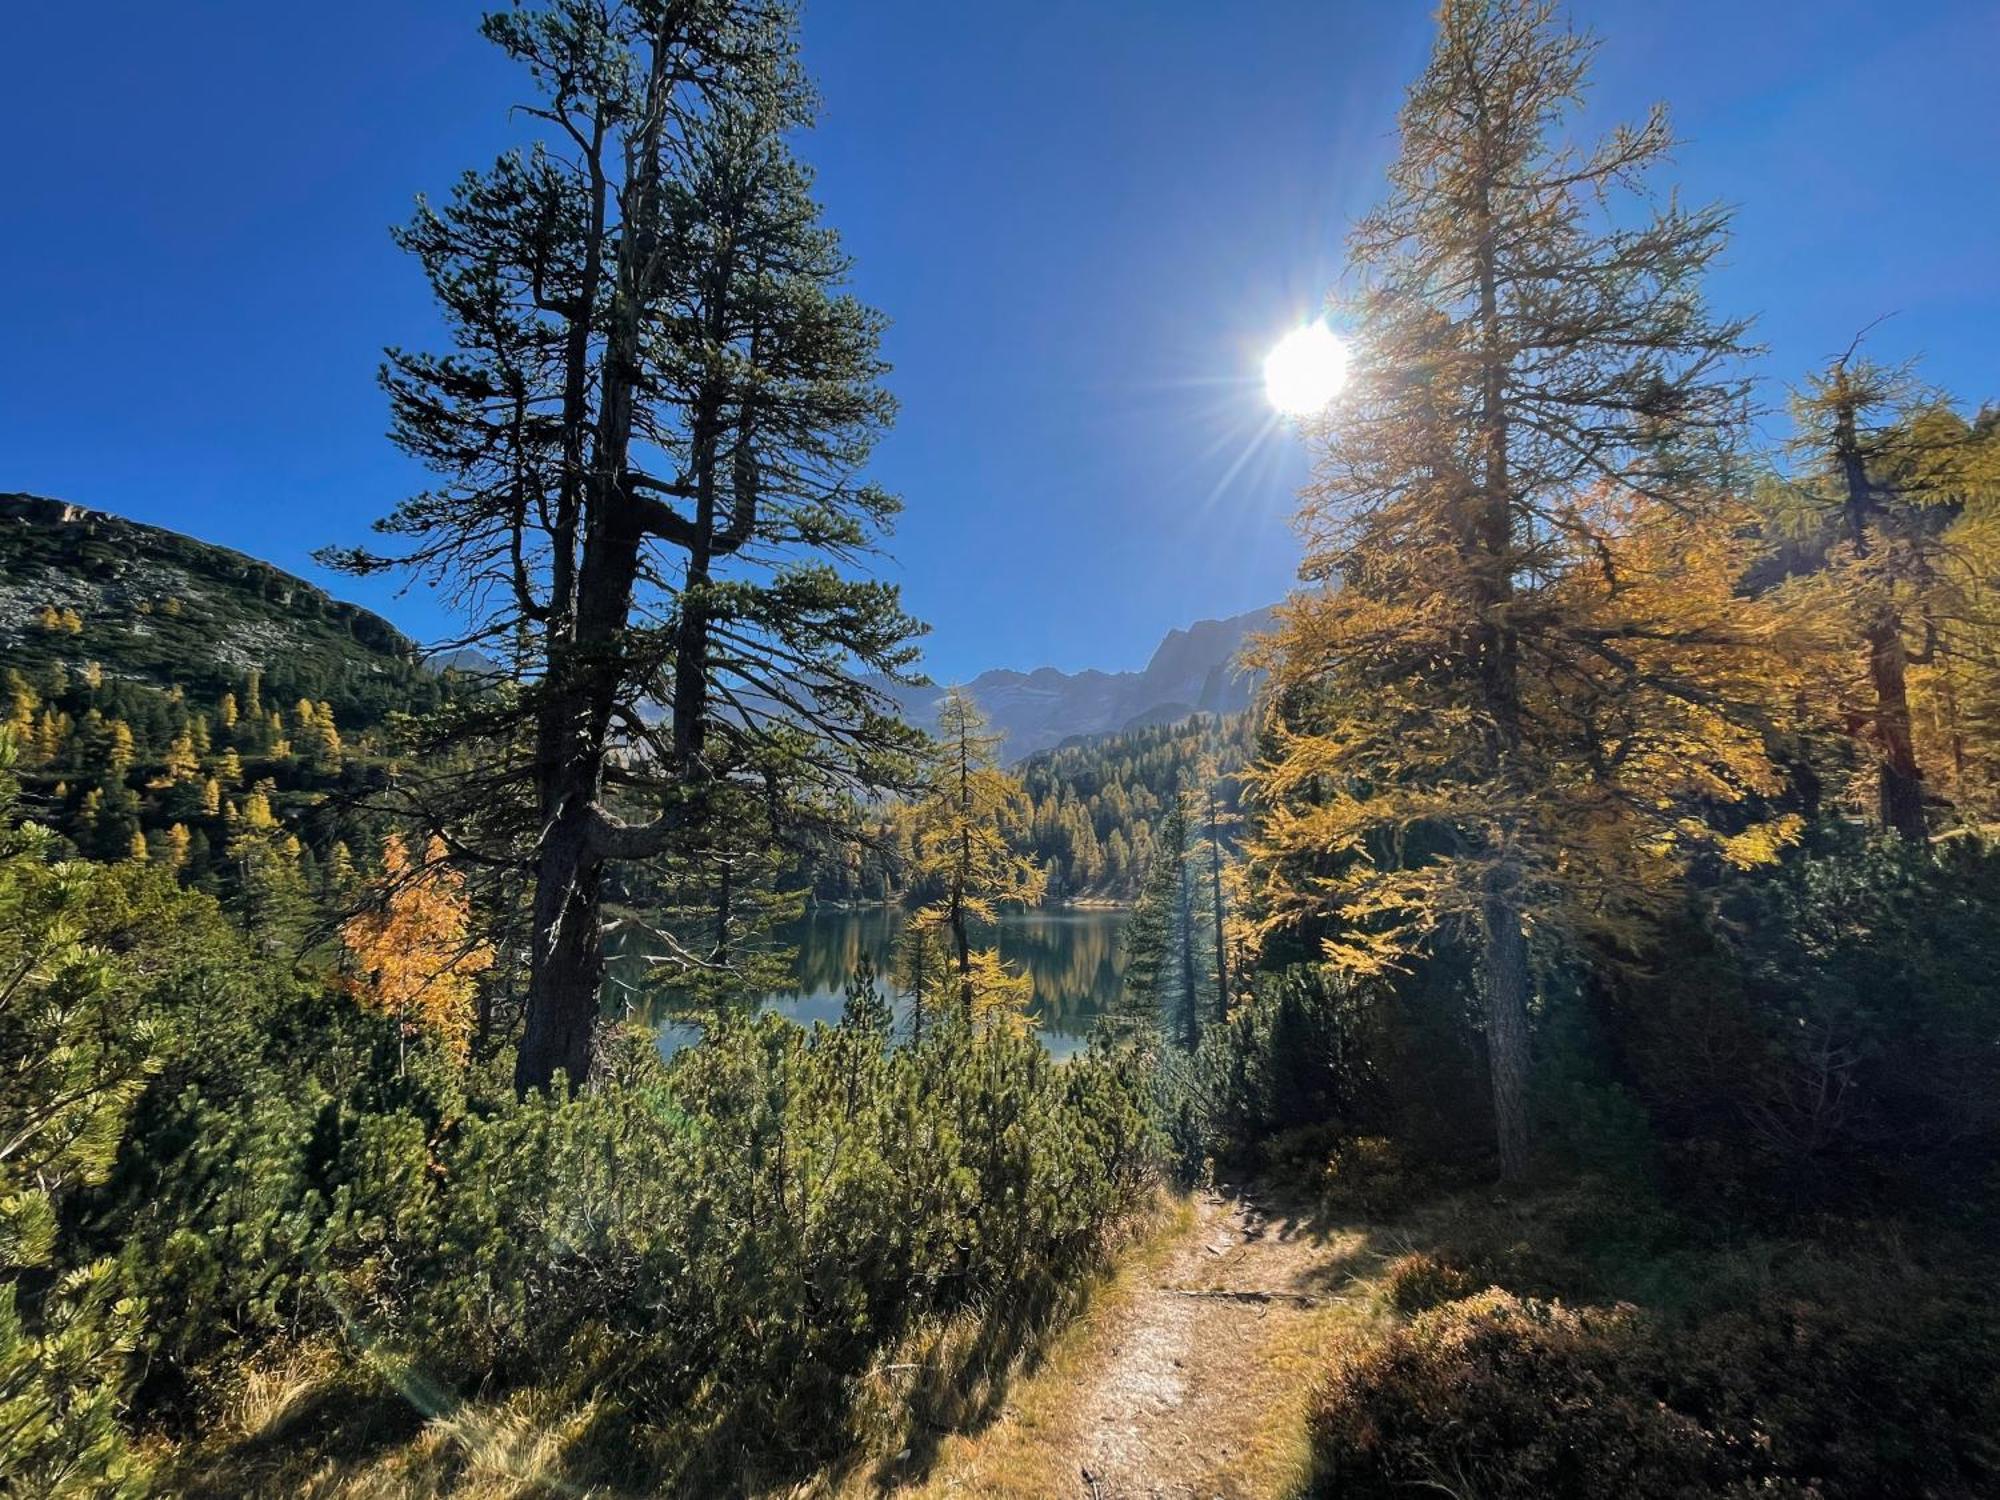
x,y
1559,1048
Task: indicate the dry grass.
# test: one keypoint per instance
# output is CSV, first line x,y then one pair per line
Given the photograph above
x,y
311,1427
1126,1379
1024,1446
315,1428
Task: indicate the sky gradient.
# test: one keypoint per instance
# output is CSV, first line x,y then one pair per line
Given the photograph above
x,y
1087,222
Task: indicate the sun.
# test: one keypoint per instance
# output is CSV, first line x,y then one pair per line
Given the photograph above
x,y
1306,371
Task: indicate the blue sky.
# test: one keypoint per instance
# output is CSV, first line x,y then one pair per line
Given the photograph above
x,y
1087,219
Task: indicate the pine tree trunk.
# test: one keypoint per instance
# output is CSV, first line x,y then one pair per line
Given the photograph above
x,y
567,967
567,963
1505,964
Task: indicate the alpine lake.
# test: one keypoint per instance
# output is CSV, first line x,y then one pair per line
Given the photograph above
x,y
1072,954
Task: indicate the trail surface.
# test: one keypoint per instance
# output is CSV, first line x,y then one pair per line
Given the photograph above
x,y
1189,1381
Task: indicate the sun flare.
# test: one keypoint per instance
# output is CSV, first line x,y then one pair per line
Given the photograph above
x,y
1306,370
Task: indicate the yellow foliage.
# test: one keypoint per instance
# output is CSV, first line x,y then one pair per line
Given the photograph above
x,y
1000,995
1385,808
954,826
23,701
180,765
118,757
411,955
255,809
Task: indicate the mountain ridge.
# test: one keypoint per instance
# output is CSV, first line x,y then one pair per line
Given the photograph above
x,y
160,605
1193,670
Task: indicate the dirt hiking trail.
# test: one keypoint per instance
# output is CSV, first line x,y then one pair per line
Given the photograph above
x,y
1188,1379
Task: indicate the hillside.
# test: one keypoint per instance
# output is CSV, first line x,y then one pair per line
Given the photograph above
x,y
182,703
154,607
1088,814
1191,671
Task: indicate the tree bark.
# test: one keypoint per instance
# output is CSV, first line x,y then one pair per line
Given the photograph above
x,y
582,685
1900,781
1901,784
1506,984
567,961
1505,961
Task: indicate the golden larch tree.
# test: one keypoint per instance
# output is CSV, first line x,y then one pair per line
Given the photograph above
x,y
1520,669
411,954
960,853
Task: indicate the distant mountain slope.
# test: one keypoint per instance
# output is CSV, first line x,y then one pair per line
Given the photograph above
x,y
153,606
1192,671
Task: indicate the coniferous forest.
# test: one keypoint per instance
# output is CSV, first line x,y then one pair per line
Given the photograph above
x,y
1557,1040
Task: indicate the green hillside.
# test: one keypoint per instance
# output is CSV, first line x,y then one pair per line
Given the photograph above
x,y
155,607
182,703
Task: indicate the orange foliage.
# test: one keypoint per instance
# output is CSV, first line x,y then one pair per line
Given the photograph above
x,y
411,955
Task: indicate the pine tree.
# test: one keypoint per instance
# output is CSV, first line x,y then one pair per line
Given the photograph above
x,y
76,1051
1215,820
647,439
180,763
1536,671
1160,937
321,737
23,702
119,749
922,969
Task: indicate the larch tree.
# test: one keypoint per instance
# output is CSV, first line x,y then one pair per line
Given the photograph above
x,y
1894,500
411,952
961,858
1520,673
648,438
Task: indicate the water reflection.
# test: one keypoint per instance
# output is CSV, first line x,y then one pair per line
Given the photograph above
x,y
1072,956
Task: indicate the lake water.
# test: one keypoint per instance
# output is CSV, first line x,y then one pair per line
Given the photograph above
x,y
1072,956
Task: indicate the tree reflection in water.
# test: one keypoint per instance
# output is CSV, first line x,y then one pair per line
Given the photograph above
x,y
1072,956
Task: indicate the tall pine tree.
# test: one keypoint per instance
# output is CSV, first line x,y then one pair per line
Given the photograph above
x,y
648,436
